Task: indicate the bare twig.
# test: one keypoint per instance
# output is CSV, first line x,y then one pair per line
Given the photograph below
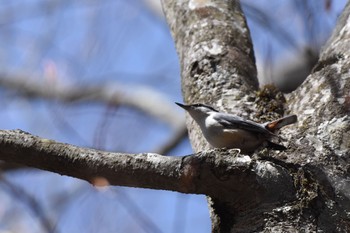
x,y
173,141
141,98
33,205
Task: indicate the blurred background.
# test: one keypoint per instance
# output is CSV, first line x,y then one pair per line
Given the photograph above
x,y
105,75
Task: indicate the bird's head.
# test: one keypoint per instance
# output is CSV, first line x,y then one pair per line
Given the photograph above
x,y
198,111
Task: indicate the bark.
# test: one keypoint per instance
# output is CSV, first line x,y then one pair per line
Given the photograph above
x,y
217,62
304,189
215,173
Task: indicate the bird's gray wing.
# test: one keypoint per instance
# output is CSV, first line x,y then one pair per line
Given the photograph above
x,y
233,122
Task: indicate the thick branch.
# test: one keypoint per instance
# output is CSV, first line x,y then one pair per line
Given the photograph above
x,y
323,103
216,173
135,170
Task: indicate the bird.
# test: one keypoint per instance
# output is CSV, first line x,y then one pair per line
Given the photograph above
x,y
225,130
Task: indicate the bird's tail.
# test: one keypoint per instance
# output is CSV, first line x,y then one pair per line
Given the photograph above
x,y
274,126
275,146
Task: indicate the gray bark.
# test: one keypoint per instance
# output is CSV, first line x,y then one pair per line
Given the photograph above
x,y
198,173
304,189
216,57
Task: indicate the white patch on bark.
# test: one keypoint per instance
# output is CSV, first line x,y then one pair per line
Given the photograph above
x,y
331,131
196,4
214,48
243,160
266,170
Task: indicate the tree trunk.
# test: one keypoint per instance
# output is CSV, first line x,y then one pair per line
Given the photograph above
x,y
303,189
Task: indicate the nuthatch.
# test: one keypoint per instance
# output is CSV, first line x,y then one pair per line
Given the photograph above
x,y
224,130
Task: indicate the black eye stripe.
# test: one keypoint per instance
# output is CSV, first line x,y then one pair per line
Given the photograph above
x,y
206,106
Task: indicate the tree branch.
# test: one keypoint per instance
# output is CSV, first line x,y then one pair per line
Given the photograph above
x,y
216,173
135,170
322,103
178,135
141,98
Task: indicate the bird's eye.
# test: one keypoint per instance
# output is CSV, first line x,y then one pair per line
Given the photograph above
x,y
204,106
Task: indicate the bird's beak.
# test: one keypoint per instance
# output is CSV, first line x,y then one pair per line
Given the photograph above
x,y
186,107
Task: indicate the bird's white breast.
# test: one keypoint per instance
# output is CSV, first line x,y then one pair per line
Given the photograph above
x,y
220,137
